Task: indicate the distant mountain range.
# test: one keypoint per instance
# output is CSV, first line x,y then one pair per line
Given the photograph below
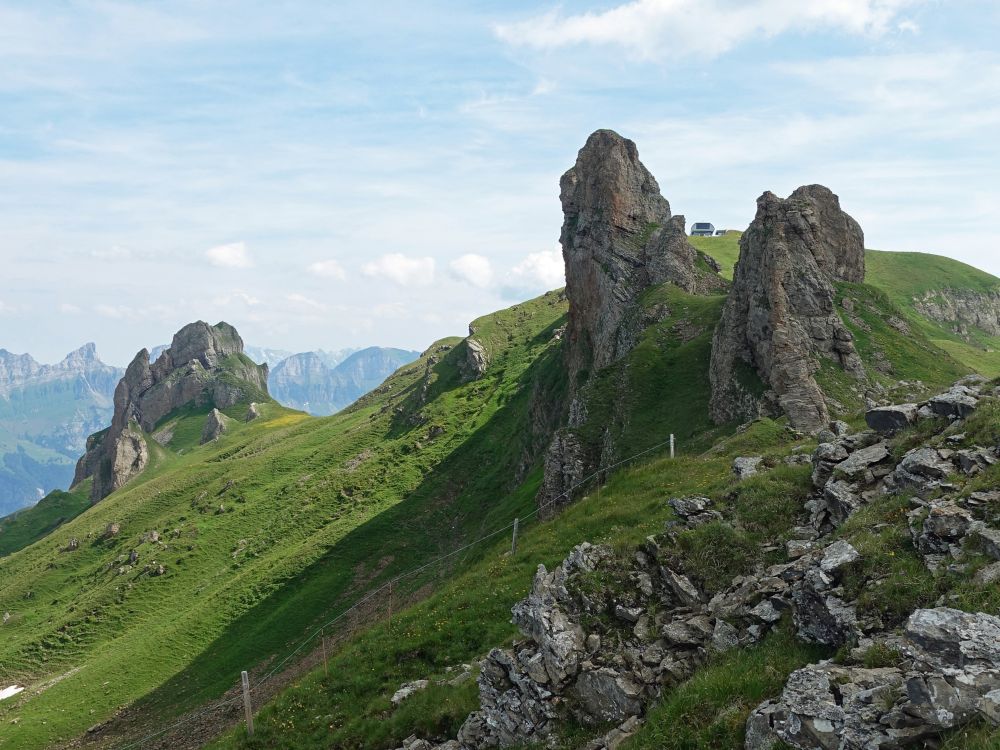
x,y
46,414
322,383
47,411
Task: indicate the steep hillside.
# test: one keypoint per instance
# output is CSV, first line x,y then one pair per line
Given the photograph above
x,y
46,414
956,305
337,505
321,383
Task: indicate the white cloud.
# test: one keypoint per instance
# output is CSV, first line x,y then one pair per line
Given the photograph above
x,y
233,255
111,311
401,269
656,29
66,308
305,304
237,296
473,269
330,269
538,272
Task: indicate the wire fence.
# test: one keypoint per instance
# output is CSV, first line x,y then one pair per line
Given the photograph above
x,y
387,588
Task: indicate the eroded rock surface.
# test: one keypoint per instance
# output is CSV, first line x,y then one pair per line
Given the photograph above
x,y
948,675
780,317
204,365
618,239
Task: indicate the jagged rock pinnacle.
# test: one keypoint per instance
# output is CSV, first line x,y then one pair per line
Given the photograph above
x,y
618,238
780,314
187,372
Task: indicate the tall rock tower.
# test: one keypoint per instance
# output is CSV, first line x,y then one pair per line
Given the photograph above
x,y
780,316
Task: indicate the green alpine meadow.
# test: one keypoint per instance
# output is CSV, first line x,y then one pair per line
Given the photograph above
x,y
607,375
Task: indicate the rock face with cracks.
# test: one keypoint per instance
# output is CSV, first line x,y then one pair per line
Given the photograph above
x,y
618,240
204,365
780,316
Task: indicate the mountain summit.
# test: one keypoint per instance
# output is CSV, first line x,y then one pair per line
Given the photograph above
x,y
204,367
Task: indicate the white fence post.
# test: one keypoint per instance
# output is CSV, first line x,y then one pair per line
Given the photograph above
x,y
671,445
513,539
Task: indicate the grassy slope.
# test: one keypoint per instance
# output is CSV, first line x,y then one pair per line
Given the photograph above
x,y
902,277
334,505
349,706
667,391
20,529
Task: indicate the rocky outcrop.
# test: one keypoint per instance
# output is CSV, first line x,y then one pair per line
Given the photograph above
x,y
215,426
948,675
618,238
780,316
605,634
962,309
566,462
204,366
476,360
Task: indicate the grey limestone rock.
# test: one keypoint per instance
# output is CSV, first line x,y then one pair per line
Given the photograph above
x,y
780,315
215,426
188,372
890,419
745,467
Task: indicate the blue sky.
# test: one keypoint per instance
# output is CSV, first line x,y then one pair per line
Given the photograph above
x,y
329,174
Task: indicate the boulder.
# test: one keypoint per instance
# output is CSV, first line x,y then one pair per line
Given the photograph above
x,y
253,412
215,426
888,420
823,618
780,318
407,689
957,402
606,695
925,462
838,555
745,467
856,464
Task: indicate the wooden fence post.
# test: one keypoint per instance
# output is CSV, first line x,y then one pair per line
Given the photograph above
x,y
326,663
246,702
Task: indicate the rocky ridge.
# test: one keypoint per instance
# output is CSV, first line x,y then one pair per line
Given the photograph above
x,y
780,316
962,309
602,652
203,366
313,382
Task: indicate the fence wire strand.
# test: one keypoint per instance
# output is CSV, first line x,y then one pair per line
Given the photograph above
x,y
566,494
